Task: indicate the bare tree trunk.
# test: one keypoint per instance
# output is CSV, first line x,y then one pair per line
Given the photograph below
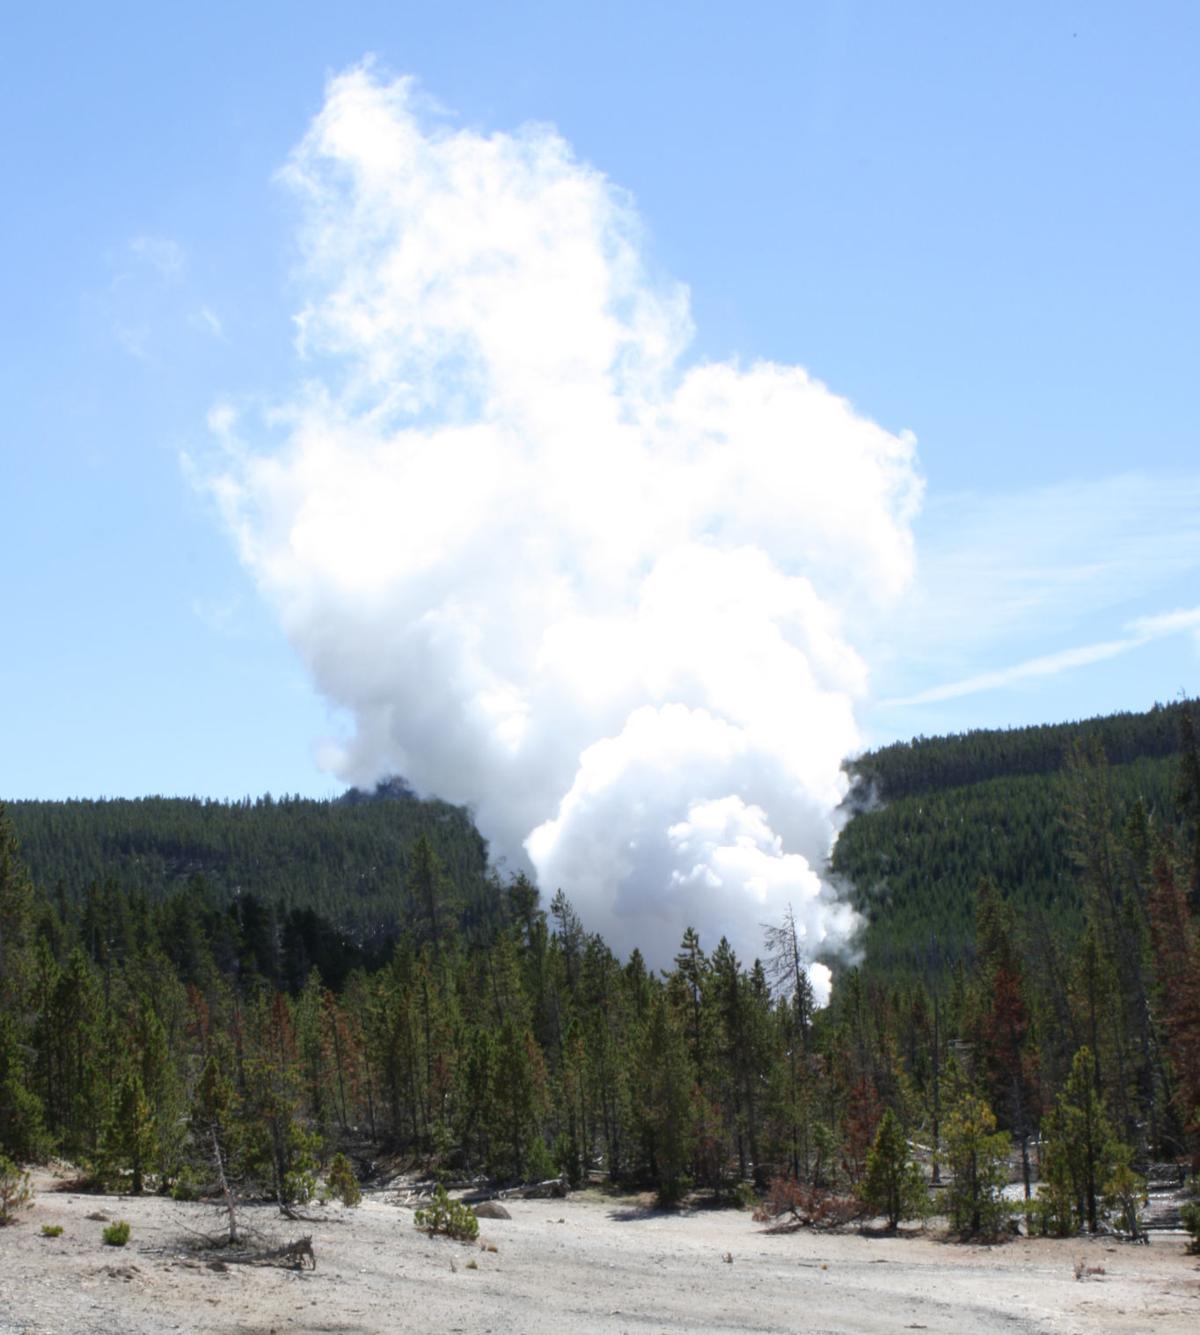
x,y
226,1194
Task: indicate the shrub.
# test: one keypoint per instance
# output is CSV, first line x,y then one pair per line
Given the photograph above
x,y
1190,1215
51,1230
15,1191
539,1164
1052,1211
117,1235
567,1159
342,1182
186,1187
744,1196
1125,1193
451,1218
810,1207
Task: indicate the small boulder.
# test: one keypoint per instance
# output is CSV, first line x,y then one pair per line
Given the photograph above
x,y
491,1210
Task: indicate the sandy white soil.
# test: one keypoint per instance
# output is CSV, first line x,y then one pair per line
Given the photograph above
x,y
589,1263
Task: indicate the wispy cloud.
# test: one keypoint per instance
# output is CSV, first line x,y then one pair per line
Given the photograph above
x,y
165,256
208,320
152,295
1027,560
219,615
134,338
1138,633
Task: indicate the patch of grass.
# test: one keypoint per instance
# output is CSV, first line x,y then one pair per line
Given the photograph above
x,y
116,1235
51,1230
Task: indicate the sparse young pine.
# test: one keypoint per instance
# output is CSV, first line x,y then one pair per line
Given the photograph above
x,y
342,1181
15,1190
1125,1194
129,1143
977,1155
894,1185
1081,1152
448,1217
116,1235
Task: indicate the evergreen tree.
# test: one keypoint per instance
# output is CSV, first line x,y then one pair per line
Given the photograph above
x,y
1081,1153
894,1185
22,1131
1176,939
977,1155
664,1103
128,1141
1002,1024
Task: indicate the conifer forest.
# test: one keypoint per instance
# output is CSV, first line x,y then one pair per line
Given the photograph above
x,y
255,988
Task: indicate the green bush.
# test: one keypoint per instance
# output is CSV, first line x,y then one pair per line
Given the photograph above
x,y
117,1235
186,1187
744,1196
1125,1193
539,1163
51,1230
341,1181
15,1190
567,1159
1190,1215
451,1218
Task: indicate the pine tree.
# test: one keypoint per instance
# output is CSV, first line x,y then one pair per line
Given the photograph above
x,y
520,1097
664,1102
1002,1027
278,1150
1177,953
1081,1151
428,892
22,1131
162,1087
128,1141
16,922
894,1185
977,1155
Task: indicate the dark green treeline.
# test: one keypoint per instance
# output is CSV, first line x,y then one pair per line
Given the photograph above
x,y
937,815
160,1039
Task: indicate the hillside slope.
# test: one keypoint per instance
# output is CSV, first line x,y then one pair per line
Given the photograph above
x,y
936,815
347,859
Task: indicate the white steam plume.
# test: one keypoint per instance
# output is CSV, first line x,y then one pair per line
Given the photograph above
x,y
551,571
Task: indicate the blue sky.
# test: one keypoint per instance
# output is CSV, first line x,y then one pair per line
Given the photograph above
x,y
975,224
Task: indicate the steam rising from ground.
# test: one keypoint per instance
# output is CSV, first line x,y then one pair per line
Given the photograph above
x,y
550,570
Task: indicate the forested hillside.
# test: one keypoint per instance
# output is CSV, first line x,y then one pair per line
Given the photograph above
x,y
938,815
927,764
187,1037
347,860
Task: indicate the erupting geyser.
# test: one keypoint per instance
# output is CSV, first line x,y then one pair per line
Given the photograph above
x,y
603,596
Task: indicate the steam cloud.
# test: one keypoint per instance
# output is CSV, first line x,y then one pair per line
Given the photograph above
x,y
603,597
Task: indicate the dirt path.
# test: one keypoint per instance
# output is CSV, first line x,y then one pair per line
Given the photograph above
x,y
587,1264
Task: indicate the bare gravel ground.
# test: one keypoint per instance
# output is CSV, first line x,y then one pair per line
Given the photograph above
x,y
588,1264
